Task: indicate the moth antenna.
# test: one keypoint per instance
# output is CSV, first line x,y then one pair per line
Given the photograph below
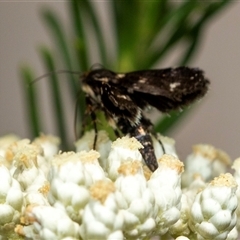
x,y
54,72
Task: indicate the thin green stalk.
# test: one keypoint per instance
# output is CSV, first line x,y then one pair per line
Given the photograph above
x,y
190,52
59,38
56,96
58,34
170,25
87,8
31,101
184,27
196,31
126,15
81,42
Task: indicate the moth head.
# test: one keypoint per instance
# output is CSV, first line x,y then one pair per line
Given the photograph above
x,y
97,76
93,80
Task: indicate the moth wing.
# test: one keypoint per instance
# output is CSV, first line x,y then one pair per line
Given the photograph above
x,y
118,102
167,89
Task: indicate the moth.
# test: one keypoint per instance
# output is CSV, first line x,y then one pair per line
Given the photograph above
x,y
124,96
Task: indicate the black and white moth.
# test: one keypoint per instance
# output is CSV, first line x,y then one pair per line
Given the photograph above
x,y
123,97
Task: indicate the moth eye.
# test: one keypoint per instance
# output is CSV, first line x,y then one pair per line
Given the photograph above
x,y
97,76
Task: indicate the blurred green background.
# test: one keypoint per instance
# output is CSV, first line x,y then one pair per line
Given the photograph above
x,y
122,36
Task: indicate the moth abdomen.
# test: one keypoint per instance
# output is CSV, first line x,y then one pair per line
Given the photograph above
x,y
147,151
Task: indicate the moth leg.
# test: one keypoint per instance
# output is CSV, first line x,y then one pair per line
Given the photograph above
x,y
88,110
94,119
76,133
117,133
163,148
91,107
84,124
160,142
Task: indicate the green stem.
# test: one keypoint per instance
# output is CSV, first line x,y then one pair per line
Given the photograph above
x,y
31,100
88,11
56,96
81,42
60,41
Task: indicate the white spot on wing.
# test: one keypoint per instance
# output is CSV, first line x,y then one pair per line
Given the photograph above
x,y
124,97
142,80
174,85
121,75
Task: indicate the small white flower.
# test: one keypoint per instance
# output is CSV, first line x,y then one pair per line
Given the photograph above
x,y
84,167
213,211
103,145
5,142
168,144
101,217
91,165
140,211
205,160
26,170
165,183
52,223
123,149
181,226
50,147
36,194
9,150
70,176
236,167
11,198
50,144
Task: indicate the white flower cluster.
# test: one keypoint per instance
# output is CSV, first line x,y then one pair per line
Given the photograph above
x,y
110,194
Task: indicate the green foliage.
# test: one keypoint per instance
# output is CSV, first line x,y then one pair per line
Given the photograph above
x,y
31,100
144,33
